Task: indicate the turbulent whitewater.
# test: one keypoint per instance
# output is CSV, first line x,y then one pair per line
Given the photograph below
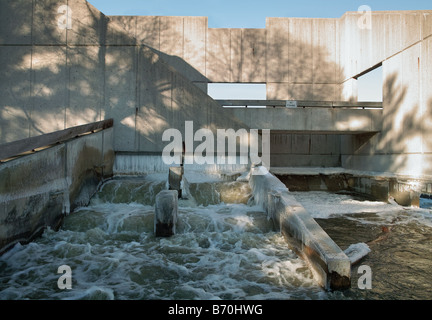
x,y
225,248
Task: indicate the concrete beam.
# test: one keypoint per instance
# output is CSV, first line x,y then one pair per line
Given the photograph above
x,y
329,264
318,120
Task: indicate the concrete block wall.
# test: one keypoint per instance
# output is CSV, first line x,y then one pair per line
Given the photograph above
x,y
302,59
314,150
320,59
52,76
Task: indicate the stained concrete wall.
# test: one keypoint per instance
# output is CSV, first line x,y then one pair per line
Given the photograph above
x,y
401,42
315,59
144,72
56,77
296,57
37,190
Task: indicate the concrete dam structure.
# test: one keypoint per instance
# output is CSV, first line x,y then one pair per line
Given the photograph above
x,y
85,96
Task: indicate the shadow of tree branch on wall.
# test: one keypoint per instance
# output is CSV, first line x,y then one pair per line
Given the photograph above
x,y
402,145
49,80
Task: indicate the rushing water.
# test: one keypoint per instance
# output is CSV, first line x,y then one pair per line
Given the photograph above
x,y
225,248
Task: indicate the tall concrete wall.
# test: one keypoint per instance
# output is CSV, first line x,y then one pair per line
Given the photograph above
x,y
54,78
297,58
145,73
401,42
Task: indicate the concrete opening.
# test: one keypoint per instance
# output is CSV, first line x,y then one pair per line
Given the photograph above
x,y
370,84
238,91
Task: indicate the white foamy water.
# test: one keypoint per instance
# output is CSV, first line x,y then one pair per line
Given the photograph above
x,y
220,251
324,205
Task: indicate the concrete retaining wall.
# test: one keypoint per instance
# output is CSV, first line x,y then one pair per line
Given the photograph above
x,y
404,190
329,264
38,189
146,74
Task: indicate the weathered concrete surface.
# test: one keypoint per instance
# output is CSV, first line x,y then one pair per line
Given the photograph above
x,y
317,120
37,190
166,208
175,177
329,264
58,77
404,190
150,73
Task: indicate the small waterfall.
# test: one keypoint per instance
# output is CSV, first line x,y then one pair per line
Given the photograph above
x,y
139,164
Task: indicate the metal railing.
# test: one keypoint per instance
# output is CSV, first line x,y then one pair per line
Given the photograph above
x,y
19,147
300,104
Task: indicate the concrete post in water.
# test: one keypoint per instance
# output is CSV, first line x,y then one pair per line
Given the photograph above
x,y
166,208
175,178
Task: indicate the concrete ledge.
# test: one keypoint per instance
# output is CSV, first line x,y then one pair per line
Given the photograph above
x,y
38,189
379,186
329,264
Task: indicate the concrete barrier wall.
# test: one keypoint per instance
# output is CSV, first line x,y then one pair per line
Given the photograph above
x,y
329,264
38,189
376,186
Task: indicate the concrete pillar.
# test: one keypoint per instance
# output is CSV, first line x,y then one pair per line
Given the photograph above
x,y
175,178
166,207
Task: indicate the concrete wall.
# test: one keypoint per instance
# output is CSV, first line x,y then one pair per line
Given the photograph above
x,y
54,78
316,59
150,73
38,189
303,63
401,41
